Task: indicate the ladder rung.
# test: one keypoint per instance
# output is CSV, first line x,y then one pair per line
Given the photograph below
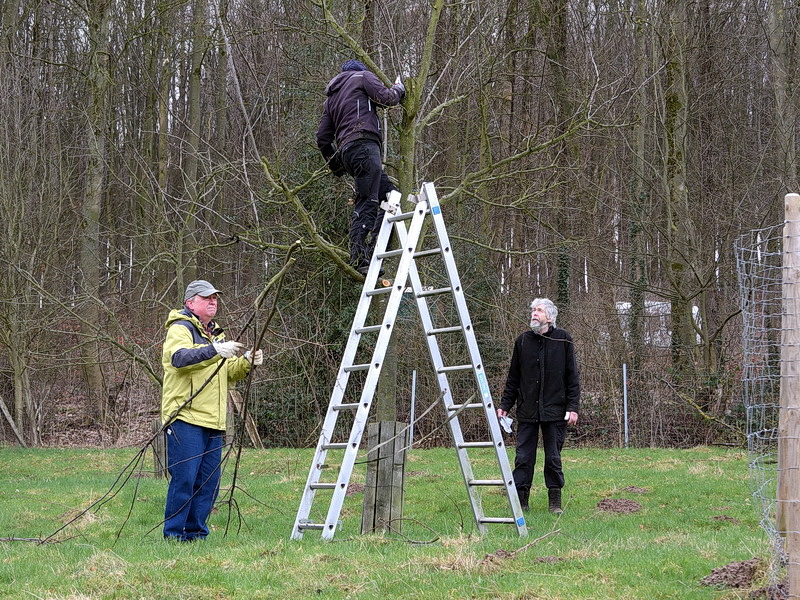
x,y
380,291
302,525
389,254
486,482
476,445
352,368
457,407
401,217
429,252
444,330
369,329
346,406
335,446
453,368
497,520
323,486
435,292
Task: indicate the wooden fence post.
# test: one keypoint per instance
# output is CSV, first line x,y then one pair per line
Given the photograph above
x,y
788,493
383,490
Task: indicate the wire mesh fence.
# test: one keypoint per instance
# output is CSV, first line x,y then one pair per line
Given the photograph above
x,y
759,260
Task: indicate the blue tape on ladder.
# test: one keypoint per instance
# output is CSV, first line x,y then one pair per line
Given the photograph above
x,y
436,210
521,521
484,386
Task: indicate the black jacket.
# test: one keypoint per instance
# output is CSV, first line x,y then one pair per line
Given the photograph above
x,y
349,111
543,377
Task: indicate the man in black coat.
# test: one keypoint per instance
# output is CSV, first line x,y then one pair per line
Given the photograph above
x,y
349,136
543,383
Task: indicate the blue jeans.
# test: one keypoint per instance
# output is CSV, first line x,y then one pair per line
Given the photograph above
x,y
194,457
553,433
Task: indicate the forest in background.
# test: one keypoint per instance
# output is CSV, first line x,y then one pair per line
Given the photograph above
x,y
603,154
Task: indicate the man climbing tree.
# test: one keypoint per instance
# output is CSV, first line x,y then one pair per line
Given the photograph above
x,y
349,137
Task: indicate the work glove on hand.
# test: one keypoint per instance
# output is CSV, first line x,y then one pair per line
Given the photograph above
x,y
228,349
257,359
398,85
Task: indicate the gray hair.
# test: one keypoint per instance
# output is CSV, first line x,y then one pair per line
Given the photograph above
x,y
550,309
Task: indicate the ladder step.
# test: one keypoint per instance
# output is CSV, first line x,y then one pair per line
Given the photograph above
x,y
369,329
346,406
498,520
452,368
457,407
476,445
335,446
452,329
389,254
352,368
380,291
430,252
435,292
323,486
302,525
486,482
407,216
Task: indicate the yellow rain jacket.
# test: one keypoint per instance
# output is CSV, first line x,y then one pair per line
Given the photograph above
x,y
189,359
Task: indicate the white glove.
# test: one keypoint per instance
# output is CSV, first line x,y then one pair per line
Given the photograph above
x,y
398,85
505,423
228,349
258,359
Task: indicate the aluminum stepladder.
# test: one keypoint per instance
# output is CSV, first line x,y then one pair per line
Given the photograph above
x,y
426,208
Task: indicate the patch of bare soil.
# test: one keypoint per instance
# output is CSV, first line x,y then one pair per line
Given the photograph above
x,y
728,518
738,574
354,488
618,505
774,591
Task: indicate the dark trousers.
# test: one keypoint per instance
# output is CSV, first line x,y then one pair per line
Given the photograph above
x,y
553,433
194,455
362,160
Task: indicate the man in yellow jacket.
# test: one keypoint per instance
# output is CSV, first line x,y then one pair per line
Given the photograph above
x,y
193,350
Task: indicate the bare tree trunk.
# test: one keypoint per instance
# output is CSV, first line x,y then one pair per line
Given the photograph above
x,y
556,23
90,262
369,38
678,224
782,33
639,194
194,127
23,398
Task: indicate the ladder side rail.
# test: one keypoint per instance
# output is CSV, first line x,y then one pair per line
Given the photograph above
x,y
478,369
444,387
408,244
342,379
331,417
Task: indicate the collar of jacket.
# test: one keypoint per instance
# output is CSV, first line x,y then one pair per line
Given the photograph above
x,y
212,330
548,333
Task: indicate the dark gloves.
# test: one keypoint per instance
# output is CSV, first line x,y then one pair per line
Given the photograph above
x,y
334,160
336,166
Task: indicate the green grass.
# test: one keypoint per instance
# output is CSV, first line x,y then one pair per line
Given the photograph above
x,y
695,516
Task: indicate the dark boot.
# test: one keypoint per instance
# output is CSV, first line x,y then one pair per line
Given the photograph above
x,y
523,498
554,500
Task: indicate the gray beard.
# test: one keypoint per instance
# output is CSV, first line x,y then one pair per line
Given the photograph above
x,y
539,327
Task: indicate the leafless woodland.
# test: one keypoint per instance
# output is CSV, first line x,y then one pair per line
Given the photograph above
x,y
603,154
